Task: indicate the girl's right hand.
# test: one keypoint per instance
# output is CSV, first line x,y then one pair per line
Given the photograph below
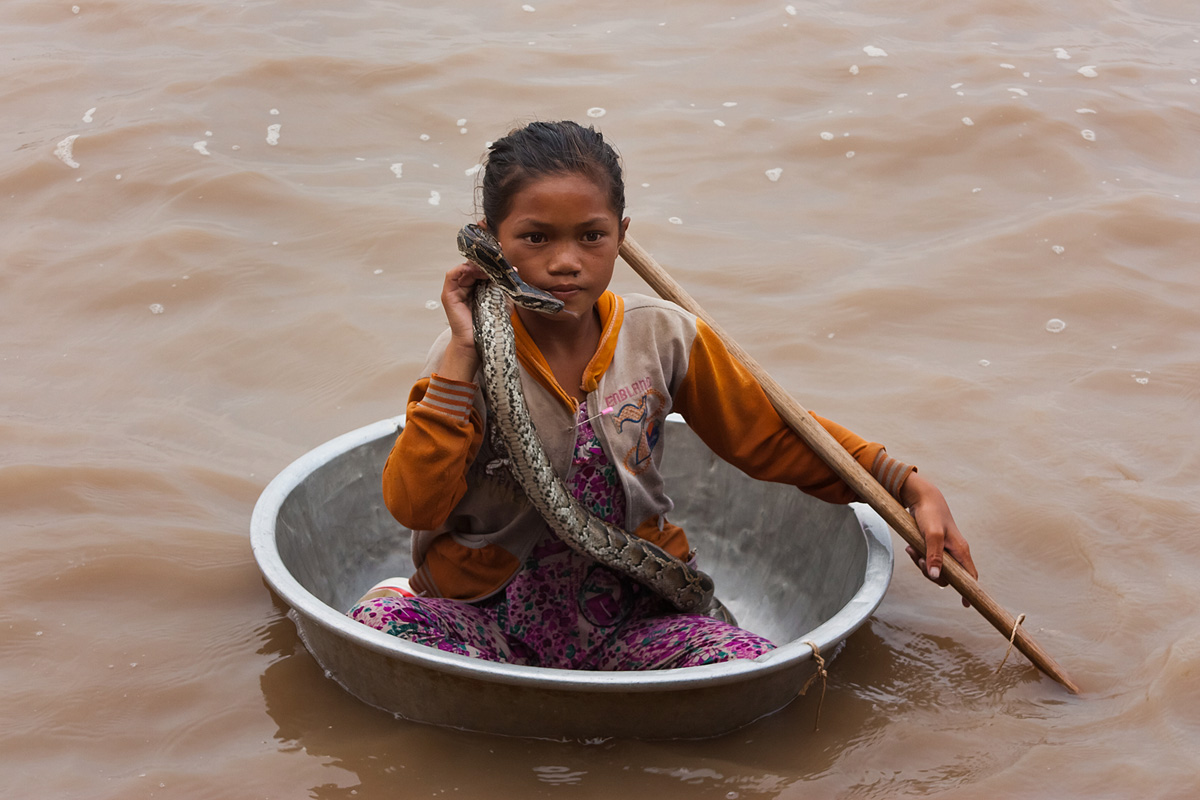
x,y
458,292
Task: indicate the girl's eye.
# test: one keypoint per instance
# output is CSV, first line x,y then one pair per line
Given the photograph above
x,y
535,238
593,236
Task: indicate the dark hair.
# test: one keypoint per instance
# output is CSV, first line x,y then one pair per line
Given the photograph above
x,y
547,148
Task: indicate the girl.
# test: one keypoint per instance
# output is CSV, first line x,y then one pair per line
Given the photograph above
x,y
491,580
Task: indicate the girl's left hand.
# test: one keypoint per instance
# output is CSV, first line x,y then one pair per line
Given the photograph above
x,y
932,514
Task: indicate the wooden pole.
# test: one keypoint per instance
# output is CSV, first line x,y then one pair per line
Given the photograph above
x,y
853,473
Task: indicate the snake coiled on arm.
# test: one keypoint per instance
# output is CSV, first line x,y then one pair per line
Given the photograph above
x,y
687,589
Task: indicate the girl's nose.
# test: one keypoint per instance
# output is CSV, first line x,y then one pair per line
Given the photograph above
x,y
566,261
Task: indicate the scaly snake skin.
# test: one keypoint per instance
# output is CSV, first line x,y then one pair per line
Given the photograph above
x,y
685,588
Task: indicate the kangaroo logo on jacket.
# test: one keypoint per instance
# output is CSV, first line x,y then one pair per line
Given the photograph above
x,y
647,412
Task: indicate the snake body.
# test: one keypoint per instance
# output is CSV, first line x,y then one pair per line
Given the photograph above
x,y
687,589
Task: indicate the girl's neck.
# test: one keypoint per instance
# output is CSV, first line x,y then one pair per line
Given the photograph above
x,y
567,345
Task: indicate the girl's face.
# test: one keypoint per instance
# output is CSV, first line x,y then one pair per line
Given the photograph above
x,y
562,236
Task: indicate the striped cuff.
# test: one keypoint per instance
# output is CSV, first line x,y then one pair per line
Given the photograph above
x,y
449,397
890,473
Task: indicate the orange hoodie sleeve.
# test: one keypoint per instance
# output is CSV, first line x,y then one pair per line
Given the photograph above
x,y
729,411
426,473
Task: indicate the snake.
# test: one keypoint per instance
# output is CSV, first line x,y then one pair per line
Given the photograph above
x,y
684,587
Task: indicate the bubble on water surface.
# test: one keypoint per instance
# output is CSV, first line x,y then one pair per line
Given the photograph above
x,y
274,112
435,197
854,69
87,117
675,221
156,308
64,151
968,121
1087,134
983,362
1061,53
432,305
729,104
398,169
718,123
528,8
774,174
1021,92
1059,249
378,272
827,136
1142,379
473,170
790,9
273,134
596,111
424,137
1088,71
1056,325
1085,111
74,9
201,147
849,154
875,52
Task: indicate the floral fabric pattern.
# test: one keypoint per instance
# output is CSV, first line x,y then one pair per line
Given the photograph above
x,y
565,610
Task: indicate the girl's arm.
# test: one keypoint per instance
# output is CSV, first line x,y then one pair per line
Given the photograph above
x,y
426,472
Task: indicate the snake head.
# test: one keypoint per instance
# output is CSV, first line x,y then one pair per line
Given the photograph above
x,y
482,249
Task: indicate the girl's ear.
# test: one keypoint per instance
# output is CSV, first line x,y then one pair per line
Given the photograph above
x,y
624,228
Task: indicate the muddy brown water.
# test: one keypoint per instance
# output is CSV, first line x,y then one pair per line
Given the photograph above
x,y
890,205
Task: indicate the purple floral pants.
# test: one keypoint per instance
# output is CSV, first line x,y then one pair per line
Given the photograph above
x,y
565,610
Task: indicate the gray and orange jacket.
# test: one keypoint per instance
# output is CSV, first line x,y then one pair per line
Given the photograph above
x,y
472,526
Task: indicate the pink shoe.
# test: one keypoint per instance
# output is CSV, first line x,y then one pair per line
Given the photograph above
x,y
392,587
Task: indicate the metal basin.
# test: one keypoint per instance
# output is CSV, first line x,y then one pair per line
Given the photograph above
x,y
791,568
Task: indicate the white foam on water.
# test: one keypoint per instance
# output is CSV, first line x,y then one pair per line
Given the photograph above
x,y
1021,92
983,362
155,308
675,221
424,137
273,134
850,154
729,104
201,147
1085,111
473,170
1056,325
774,174
462,130
854,69
528,8
274,112
827,136
902,95
398,169
1059,249
1087,134
378,272
65,151
1008,66
875,52
74,9
718,123
1061,53
790,10
461,122
87,116
1088,71
432,305
968,121
596,111
435,197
